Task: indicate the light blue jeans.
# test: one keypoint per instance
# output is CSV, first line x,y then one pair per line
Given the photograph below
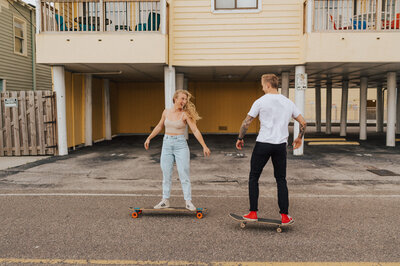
x,y
175,148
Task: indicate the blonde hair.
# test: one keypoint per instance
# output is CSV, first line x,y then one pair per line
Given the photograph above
x,y
272,79
189,107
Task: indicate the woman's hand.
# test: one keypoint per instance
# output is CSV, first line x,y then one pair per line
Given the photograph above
x,y
206,151
147,144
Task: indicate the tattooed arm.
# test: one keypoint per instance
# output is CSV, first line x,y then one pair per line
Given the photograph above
x,y
303,125
243,129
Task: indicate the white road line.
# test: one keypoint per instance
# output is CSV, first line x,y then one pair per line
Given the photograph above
x,y
194,196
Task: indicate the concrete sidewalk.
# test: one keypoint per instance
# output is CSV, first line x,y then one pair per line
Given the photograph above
x,y
14,161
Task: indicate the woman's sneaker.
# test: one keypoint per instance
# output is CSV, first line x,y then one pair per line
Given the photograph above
x,y
286,219
190,206
252,216
164,203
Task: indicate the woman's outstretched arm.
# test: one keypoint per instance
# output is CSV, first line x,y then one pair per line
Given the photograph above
x,y
197,134
155,131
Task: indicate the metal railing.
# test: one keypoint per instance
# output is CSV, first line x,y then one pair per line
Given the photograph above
x,y
356,15
103,16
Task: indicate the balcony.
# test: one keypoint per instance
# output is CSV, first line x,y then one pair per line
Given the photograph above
x,y
106,31
353,15
353,31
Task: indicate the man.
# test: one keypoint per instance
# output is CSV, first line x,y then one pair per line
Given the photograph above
x,y
275,112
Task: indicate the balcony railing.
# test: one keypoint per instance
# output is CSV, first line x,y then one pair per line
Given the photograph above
x,y
102,16
356,15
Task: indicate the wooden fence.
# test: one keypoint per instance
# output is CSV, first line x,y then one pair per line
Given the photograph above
x,y
28,123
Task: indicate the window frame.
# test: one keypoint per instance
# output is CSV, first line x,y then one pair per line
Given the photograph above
x,y
237,9
24,34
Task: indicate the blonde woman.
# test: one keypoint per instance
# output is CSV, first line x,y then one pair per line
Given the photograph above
x,y
175,147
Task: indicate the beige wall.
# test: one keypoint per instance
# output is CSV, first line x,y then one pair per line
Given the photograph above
x,y
270,37
54,48
352,47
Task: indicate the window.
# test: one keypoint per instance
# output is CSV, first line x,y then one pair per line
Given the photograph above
x,y
2,85
19,36
235,4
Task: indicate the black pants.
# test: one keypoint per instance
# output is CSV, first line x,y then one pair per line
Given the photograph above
x,y
259,158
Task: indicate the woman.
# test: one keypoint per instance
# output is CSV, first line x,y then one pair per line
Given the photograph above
x,y
175,147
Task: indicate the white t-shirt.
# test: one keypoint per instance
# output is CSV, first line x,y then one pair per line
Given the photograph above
x,y
275,111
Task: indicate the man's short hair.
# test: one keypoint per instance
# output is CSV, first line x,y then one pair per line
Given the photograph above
x,y
272,79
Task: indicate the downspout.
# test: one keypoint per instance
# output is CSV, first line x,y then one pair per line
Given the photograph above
x,y
33,35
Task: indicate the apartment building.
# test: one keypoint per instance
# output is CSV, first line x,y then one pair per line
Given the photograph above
x,y
116,64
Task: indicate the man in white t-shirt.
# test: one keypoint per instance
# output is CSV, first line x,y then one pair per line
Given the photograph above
x,y
275,112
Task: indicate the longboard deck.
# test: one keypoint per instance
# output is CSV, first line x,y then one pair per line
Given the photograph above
x,y
136,211
243,221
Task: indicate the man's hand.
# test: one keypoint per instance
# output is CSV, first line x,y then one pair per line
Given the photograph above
x,y
297,143
239,144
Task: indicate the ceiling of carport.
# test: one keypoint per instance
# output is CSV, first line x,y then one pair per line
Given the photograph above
x,y
318,73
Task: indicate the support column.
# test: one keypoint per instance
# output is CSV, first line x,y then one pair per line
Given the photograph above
x,y
310,16
181,84
59,88
180,79
398,110
285,84
391,109
169,85
328,121
379,108
343,113
38,17
318,107
88,110
363,108
107,109
186,87
300,87
163,16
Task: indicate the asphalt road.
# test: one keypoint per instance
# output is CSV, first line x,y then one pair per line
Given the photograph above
x,y
75,208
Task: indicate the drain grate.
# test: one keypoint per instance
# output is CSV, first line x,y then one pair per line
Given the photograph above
x,y
235,155
382,172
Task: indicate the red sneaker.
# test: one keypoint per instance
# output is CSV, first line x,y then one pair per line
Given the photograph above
x,y
252,216
286,219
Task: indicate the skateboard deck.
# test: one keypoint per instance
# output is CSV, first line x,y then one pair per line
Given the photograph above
x,y
243,222
138,211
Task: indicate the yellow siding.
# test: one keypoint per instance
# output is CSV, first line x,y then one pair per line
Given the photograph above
x,y
270,37
75,100
225,105
98,123
138,107
114,108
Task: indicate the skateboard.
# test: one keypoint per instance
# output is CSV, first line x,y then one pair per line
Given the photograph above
x,y
138,211
243,222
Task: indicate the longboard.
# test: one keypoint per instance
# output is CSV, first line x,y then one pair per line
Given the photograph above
x,y
243,222
138,211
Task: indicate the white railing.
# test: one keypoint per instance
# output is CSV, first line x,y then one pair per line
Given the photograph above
x,y
356,15
103,16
